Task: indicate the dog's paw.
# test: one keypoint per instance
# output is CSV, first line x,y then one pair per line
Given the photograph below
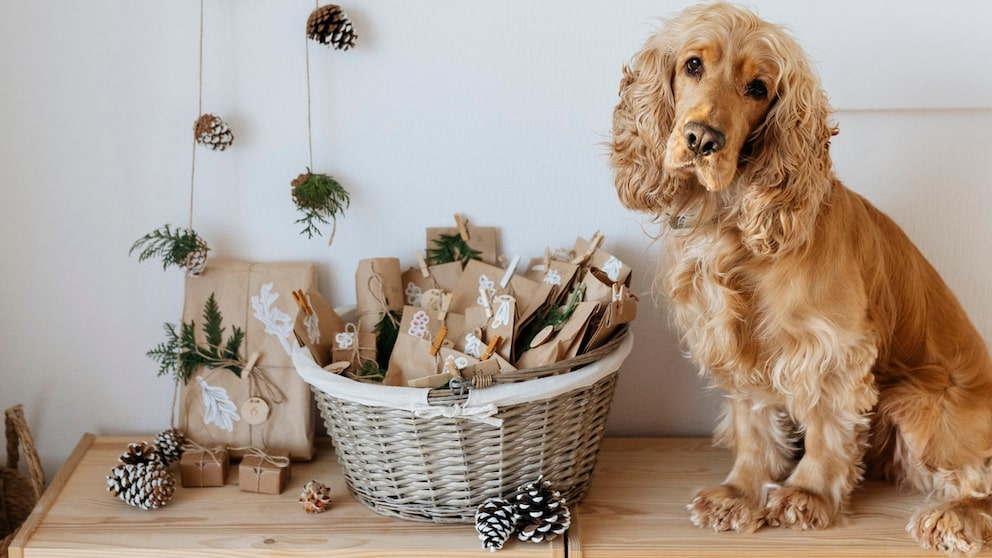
x,y
794,507
725,508
950,527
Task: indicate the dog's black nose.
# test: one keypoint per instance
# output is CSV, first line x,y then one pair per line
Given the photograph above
x,y
702,139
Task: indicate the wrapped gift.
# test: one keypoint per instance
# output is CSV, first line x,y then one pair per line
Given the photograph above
x,y
201,467
260,401
260,472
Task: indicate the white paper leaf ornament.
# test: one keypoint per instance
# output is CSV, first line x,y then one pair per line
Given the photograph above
x,y
217,406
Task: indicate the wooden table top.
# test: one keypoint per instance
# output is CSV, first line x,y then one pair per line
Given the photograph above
x,y
636,507
78,518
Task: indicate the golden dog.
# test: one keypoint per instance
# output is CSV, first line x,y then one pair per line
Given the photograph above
x,y
841,351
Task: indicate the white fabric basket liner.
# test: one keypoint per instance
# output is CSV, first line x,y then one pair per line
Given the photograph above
x,y
481,404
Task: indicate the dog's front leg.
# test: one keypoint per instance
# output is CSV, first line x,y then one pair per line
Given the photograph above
x,y
761,438
821,484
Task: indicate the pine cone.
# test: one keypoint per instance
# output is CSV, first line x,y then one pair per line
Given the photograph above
x,y
213,132
316,497
139,453
145,485
169,445
196,260
495,521
543,512
329,25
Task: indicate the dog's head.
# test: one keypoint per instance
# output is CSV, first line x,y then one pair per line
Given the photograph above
x,y
718,100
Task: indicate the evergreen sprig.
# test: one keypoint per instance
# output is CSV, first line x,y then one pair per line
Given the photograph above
x,y
451,248
549,315
386,333
172,245
179,355
320,197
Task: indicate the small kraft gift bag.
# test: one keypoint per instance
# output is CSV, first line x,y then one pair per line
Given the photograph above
x,y
259,401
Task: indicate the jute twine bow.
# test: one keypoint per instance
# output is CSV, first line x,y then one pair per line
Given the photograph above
x,y
356,348
211,451
378,292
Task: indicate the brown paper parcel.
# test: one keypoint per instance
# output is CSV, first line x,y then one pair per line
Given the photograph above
x,y
263,473
316,325
203,467
378,289
214,403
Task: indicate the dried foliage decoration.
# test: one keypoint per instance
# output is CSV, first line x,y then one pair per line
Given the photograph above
x,y
180,247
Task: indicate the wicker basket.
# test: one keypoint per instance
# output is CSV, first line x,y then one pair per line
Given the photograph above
x,y
18,494
433,455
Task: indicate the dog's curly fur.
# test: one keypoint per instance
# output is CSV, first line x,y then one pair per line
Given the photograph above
x,y
841,351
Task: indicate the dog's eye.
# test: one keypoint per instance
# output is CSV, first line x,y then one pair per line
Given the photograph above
x,y
694,66
756,89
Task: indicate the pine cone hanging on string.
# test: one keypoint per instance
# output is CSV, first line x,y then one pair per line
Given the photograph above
x,y
179,247
543,512
169,445
141,479
315,497
213,132
329,25
495,521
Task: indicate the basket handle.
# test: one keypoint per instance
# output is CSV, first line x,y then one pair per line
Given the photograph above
x,y
19,435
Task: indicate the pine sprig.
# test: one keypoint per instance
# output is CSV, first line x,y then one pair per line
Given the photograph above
x,y
321,198
179,355
549,315
451,248
386,333
172,245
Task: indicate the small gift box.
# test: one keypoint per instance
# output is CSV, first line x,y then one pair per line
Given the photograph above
x,y
263,473
203,467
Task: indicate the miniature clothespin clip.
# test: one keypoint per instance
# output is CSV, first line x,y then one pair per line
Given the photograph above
x,y
301,302
436,346
424,270
445,303
250,365
462,224
510,270
487,302
492,347
594,243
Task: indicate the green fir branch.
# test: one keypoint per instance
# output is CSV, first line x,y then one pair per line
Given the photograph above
x,y
386,333
320,198
180,355
172,245
549,315
451,248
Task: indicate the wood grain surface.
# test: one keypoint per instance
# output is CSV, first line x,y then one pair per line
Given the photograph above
x,y
636,507
78,518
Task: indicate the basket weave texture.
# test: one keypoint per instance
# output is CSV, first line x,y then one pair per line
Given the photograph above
x,y
440,469
18,494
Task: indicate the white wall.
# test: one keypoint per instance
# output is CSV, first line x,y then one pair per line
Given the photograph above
x,y
495,109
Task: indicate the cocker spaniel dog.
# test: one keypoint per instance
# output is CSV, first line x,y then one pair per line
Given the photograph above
x,y
841,351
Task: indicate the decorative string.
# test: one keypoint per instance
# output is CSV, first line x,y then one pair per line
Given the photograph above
x,y
306,40
191,445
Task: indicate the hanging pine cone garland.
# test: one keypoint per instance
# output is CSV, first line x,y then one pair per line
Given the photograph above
x,y
169,445
315,497
543,512
141,479
495,521
329,25
213,132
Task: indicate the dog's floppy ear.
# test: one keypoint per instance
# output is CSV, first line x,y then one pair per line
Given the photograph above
x,y
789,174
642,121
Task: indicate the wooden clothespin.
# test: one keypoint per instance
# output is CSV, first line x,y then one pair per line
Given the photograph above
x,y
424,270
594,243
301,302
547,259
450,367
436,346
492,347
462,224
445,303
250,365
510,271
487,302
